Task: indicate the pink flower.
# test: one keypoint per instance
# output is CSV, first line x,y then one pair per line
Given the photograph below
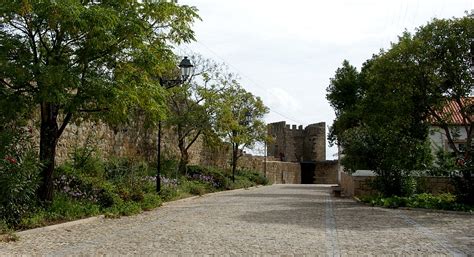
x,y
10,159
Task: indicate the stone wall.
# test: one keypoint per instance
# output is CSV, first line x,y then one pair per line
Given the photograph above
x,y
356,185
283,172
294,144
360,185
277,172
436,185
314,143
326,172
133,141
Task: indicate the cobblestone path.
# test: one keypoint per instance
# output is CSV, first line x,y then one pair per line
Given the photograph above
x,y
273,220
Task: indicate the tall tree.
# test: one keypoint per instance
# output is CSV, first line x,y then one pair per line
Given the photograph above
x,y
75,58
239,120
406,89
344,93
447,55
192,105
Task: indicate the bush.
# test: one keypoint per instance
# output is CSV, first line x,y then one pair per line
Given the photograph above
x,y
253,176
150,201
19,175
65,208
428,201
193,187
242,182
86,161
6,233
168,193
212,175
124,209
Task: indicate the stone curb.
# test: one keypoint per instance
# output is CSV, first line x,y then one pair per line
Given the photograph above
x,y
416,209
91,219
60,225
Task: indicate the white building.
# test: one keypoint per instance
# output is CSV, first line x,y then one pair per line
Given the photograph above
x,y
458,125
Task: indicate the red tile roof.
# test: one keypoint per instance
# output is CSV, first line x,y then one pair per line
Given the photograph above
x,y
451,112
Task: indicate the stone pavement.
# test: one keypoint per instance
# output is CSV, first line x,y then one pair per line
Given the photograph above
x,y
273,220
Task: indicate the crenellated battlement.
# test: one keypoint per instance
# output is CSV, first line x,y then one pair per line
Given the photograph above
x,y
294,143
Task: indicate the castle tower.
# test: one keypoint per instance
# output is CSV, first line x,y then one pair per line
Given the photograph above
x,y
295,144
315,142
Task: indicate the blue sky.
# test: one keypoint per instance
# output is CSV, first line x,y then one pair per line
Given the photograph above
x,y
286,51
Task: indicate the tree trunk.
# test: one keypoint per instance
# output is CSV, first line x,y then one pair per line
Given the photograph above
x,y
48,140
235,151
183,162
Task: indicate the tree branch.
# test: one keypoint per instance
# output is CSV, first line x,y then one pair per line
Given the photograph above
x,y
65,122
445,127
194,140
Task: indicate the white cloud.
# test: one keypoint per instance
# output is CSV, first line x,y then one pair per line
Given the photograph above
x,y
286,51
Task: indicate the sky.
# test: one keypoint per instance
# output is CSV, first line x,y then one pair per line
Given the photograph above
x,y
286,51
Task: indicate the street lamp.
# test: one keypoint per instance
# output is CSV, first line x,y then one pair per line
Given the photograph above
x,y
185,67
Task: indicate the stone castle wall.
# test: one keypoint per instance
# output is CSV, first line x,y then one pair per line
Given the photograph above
x,y
361,185
295,144
277,172
133,141
326,172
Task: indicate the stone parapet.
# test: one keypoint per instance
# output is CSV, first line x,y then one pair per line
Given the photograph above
x,y
361,185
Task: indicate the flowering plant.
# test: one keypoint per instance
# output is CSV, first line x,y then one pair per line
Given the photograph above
x,y
19,172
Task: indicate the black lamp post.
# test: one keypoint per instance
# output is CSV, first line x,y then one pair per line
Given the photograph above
x,y
185,67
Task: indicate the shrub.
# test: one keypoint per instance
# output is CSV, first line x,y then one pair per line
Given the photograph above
x,y
253,176
19,175
168,193
150,201
125,208
242,182
197,189
443,201
65,208
209,174
86,161
192,187
106,196
6,233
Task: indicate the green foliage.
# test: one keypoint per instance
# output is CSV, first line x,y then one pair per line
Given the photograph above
x,y
193,187
253,176
192,106
86,161
64,208
445,164
444,201
87,59
383,112
169,193
239,120
150,201
463,181
240,117
216,177
6,233
124,209
81,193
19,172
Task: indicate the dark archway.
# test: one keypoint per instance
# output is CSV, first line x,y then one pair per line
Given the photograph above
x,y
307,172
